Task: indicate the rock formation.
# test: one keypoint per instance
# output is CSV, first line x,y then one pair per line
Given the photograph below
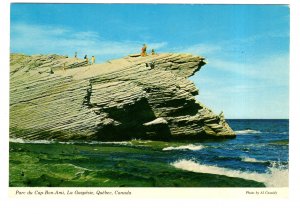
x,y
55,97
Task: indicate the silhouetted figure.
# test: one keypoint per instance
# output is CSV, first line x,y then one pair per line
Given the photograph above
x,y
86,58
152,52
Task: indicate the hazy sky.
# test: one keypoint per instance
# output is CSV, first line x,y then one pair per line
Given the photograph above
x,y
246,46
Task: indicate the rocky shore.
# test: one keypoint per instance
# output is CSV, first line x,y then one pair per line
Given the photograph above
x,y
55,97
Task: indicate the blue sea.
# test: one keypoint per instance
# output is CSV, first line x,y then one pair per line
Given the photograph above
x,y
259,152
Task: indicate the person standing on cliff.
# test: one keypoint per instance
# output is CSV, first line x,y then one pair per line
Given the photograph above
x,y
86,59
144,50
93,60
152,52
76,55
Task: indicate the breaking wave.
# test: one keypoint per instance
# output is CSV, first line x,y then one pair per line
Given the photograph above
x,y
247,131
111,142
185,147
252,160
277,175
250,131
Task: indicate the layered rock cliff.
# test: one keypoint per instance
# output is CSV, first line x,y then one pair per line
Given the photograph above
x,y
55,97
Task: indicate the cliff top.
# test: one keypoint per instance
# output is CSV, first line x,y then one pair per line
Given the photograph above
x,y
186,63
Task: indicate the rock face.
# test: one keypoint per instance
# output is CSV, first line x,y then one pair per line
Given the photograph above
x,y
55,97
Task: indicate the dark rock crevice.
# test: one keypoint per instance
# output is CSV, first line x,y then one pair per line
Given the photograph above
x,y
129,123
87,97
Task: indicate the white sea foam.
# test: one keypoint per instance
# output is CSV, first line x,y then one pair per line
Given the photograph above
x,y
16,140
276,177
185,147
66,142
252,160
19,140
250,131
247,131
112,142
42,141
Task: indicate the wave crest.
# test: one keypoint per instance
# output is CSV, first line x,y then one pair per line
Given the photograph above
x,y
277,175
185,147
247,131
252,160
111,143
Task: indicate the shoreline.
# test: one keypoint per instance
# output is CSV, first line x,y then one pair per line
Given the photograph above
x,y
100,165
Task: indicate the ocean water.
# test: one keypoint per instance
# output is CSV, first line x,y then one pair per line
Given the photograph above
x,y
260,152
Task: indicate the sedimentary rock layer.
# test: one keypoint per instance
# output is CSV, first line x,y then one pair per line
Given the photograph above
x,y
55,97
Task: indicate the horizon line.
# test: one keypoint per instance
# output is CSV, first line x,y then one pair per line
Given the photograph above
x,y
257,119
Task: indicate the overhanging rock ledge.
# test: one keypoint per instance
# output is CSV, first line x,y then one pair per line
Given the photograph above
x,y
55,97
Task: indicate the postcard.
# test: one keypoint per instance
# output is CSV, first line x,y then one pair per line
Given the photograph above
x,y
149,100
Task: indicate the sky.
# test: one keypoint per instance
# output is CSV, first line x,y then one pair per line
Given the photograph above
x,y
246,46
